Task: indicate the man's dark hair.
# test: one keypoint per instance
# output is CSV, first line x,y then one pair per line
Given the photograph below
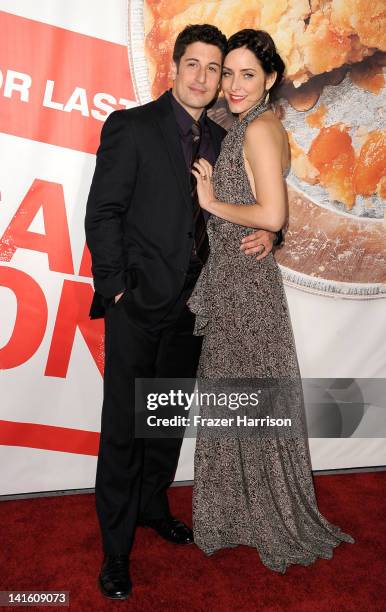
x,y
263,47
204,33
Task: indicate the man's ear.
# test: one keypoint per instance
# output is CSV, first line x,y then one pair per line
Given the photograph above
x,y
173,71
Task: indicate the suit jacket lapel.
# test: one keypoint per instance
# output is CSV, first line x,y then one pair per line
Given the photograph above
x,y
168,126
217,137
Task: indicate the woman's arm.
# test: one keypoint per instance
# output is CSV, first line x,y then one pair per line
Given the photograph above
x,y
263,153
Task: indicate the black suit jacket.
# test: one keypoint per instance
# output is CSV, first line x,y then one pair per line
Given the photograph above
x,y
139,217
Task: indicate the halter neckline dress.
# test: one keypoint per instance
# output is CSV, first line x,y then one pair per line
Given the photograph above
x,y
255,491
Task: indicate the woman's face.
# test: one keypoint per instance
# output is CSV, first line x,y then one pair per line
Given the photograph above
x,y
244,81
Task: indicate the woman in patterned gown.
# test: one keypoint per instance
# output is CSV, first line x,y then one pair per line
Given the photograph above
x,y
256,491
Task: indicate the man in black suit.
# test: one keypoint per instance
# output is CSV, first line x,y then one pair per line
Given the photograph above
x,y
148,243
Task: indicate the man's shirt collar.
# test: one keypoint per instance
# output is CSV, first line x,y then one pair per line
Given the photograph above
x,y
183,118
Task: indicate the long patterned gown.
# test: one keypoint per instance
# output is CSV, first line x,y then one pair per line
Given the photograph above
x,y
256,491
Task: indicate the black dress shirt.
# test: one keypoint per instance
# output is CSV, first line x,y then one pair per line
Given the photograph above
x,y
184,123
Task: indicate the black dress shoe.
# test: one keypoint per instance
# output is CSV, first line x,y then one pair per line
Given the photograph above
x,y
114,579
170,529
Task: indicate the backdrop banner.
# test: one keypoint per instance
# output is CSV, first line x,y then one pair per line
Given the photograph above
x,y
64,67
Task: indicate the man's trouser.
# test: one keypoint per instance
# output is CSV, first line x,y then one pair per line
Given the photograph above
x,y
133,474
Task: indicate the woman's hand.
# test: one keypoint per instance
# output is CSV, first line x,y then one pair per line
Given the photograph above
x,y
203,171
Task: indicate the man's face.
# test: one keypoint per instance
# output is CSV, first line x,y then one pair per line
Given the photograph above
x,y
197,78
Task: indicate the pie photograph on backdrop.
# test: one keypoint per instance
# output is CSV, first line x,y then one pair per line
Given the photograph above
x,y
332,104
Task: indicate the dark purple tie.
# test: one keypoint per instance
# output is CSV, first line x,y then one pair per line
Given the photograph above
x,y
201,242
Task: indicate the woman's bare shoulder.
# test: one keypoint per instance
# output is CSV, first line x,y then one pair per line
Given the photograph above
x,y
266,124
267,132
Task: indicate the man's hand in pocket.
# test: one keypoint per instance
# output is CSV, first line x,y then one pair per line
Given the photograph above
x,y
118,297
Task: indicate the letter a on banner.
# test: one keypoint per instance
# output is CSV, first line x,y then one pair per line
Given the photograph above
x,y
55,242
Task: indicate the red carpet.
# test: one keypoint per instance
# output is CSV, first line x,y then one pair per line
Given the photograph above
x,y
53,544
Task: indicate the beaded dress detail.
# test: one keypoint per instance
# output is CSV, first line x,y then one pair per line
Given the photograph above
x,y
256,491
